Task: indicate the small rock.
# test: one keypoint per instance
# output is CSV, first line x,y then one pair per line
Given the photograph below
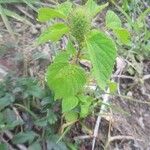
x,y
38,26
46,51
18,25
140,122
18,30
3,72
86,63
120,64
34,31
129,94
1,36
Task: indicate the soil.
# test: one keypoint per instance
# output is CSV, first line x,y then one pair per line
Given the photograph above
x,y
131,119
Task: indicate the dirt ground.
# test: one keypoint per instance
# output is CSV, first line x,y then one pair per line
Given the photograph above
x,y
130,124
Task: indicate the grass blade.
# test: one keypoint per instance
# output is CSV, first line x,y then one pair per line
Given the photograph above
x,y
6,22
16,16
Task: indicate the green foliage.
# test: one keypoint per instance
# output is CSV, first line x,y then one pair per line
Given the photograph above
x,y
113,87
136,35
24,137
6,12
93,9
53,33
65,79
46,14
65,8
79,23
71,116
85,104
65,76
3,146
112,20
53,145
6,100
24,104
123,35
102,53
69,103
70,48
34,146
61,11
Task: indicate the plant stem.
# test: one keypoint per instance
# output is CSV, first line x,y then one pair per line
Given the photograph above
x,y
78,55
26,109
79,52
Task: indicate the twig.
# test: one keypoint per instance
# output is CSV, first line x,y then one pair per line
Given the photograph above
x,y
17,113
119,137
146,77
26,109
66,125
25,12
88,131
103,109
123,76
105,98
82,137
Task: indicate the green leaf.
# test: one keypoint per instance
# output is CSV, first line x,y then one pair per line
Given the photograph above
x,y
53,33
69,103
35,146
41,122
3,146
62,57
1,118
24,137
9,116
71,116
14,124
6,101
84,110
65,8
102,51
51,117
113,87
65,79
85,103
72,146
53,145
112,20
70,48
36,91
123,35
93,8
45,14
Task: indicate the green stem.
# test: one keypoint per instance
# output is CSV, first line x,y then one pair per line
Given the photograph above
x,y
78,56
64,133
79,52
26,109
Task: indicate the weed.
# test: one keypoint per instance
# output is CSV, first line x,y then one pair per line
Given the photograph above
x,y
25,105
65,77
